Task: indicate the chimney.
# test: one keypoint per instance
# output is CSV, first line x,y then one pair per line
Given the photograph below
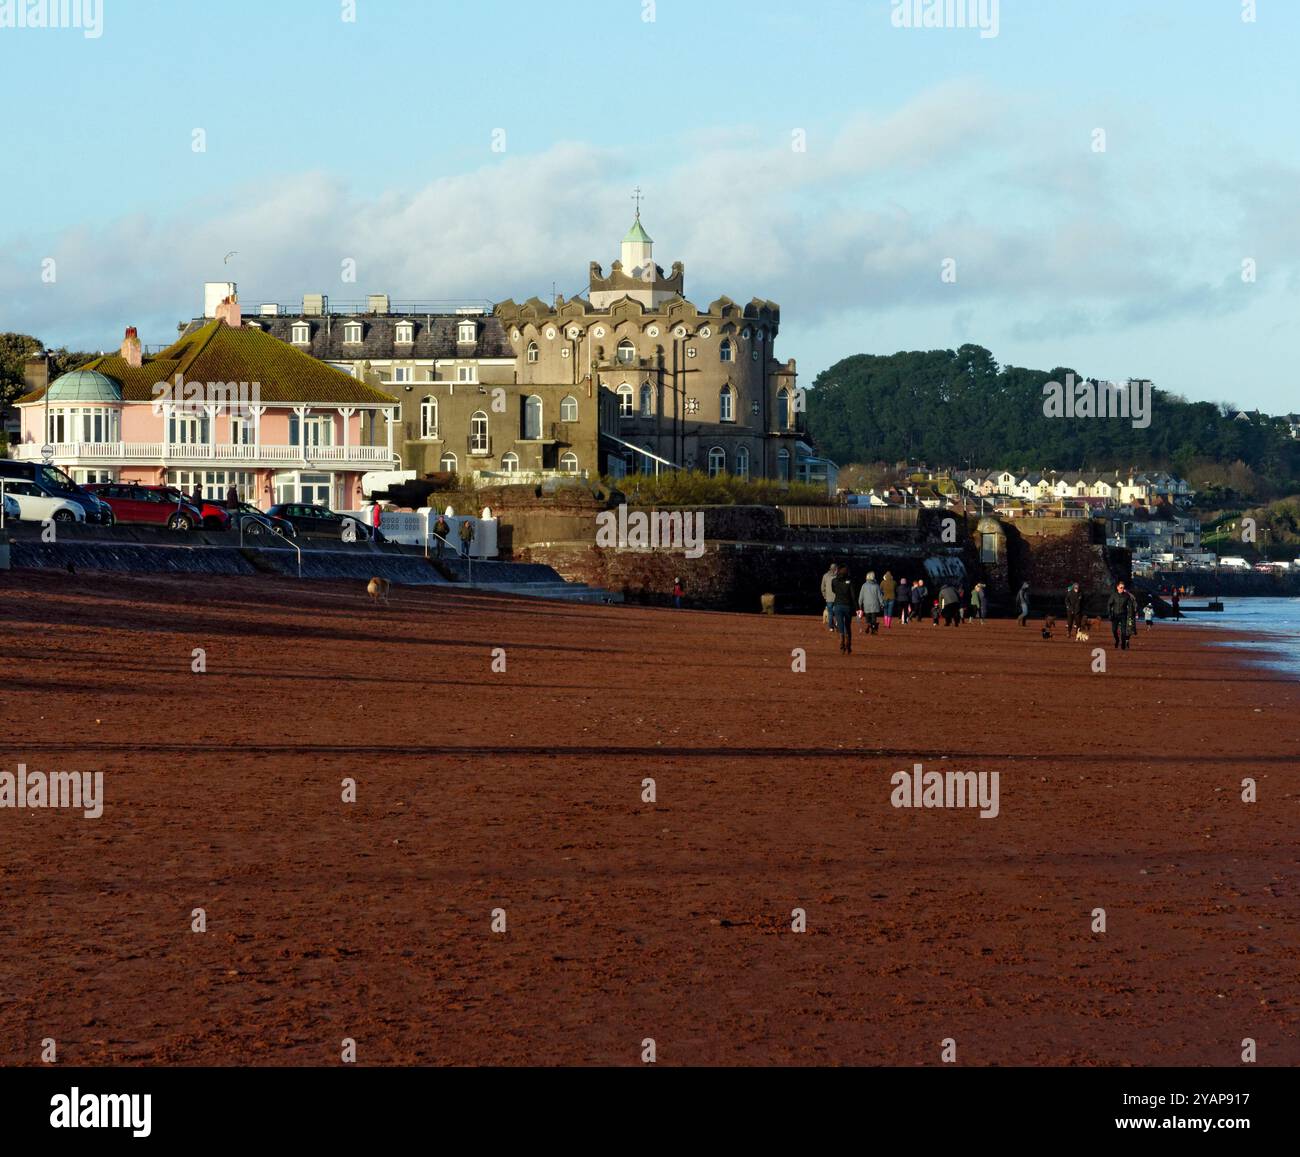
x,y
131,351
228,311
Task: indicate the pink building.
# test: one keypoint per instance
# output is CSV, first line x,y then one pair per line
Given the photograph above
x,y
227,405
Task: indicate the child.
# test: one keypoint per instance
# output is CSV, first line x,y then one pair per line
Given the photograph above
x,y
677,593
1149,614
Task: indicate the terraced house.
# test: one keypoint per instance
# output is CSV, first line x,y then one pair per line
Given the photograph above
x,y
225,405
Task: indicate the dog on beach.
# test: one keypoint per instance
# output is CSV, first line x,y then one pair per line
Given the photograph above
x,y
1081,635
378,588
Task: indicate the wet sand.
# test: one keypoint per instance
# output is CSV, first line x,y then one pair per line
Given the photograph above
x,y
522,790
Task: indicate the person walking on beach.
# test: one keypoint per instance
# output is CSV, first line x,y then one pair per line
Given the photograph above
x,y
871,602
1173,599
828,595
1150,613
1022,604
918,598
949,604
678,592
977,600
466,536
441,530
1121,610
888,590
842,608
1073,610
904,601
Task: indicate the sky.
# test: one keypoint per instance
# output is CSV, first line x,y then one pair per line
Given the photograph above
x,y
1110,185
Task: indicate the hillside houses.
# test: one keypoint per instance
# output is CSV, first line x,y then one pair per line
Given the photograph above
x,y
1143,489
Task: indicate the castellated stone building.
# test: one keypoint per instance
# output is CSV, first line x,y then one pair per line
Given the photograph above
x,y
672,385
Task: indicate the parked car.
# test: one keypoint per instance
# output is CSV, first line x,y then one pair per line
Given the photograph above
x,y
151,505
252,517
57,484
35,504
308,519
215,515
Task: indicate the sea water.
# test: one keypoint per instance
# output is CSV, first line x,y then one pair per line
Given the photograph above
x,y
1276,622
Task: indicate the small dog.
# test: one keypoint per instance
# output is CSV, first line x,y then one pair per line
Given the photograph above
x,y
1081,635
378,588
1046,633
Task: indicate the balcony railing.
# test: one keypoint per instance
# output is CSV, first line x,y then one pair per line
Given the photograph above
x,y
202,452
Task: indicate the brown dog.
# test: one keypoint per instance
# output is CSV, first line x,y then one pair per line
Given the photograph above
x,y
378,588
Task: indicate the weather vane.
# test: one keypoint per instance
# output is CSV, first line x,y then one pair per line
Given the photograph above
x,y
636,196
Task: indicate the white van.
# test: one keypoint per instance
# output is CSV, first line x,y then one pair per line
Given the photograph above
x,y
1233,562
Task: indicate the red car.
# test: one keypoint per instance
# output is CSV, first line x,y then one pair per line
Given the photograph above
x,y
215,515
153,505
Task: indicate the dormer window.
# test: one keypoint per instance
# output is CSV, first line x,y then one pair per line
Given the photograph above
x,y
352,333
466,332
301,333
405,333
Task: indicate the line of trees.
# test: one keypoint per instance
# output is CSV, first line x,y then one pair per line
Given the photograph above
x,y
959,408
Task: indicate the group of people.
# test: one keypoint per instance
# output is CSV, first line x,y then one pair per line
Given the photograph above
x,y
880,602
1121,610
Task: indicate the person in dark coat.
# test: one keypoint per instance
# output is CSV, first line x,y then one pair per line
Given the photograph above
x,y
232,497
842,591
904,601
1121,609
949,604
1073,611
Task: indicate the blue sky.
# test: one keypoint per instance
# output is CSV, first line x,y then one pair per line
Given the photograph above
x,y
372,141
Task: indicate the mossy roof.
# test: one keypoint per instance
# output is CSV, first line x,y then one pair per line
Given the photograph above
x,y
217,352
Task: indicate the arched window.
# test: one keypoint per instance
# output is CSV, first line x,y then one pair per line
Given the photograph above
x,y
724,350
405,333
717,461
626,353
532,351
742,462
510,463
429,417
625,401
647,400
448,463
724,404
783,409
478,433
569,409
301,333
532,417
352,333
569,462
783,464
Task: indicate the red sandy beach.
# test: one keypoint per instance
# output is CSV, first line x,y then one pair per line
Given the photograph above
x,y
522,790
